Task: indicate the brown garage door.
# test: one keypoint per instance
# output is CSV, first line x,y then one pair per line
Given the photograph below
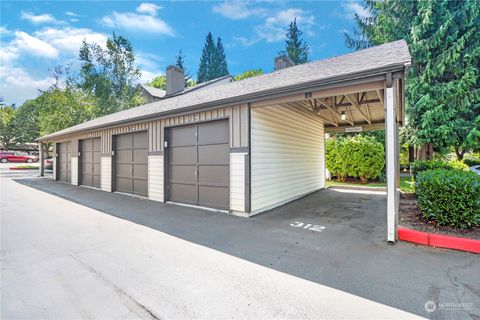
x,y
90,166
198,165
131,163
64,170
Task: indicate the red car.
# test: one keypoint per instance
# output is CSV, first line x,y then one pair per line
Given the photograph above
x,y
9,156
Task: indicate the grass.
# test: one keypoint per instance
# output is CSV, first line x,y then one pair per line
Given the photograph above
x,y
406,184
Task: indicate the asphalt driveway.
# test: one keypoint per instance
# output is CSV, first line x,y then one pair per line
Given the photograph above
x,y
335,239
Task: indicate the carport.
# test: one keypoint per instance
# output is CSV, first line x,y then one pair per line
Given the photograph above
x,y
252,145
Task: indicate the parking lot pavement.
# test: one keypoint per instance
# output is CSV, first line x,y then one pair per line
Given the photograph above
x,y
305,259
64,260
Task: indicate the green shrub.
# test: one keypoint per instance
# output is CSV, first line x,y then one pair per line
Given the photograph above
x,y
458,165
471,161
359,157
423,165
449,197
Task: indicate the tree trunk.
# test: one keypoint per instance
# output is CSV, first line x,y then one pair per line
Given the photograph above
x,y
459,153
425,152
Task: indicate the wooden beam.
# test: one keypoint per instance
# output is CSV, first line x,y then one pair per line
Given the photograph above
x,y
330,107
380,96
357,107
301,104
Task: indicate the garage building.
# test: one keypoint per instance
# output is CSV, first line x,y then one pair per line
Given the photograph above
x,y
244,146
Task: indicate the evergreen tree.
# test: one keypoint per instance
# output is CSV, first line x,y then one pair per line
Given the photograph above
x,y
206,59
443,85
220,60
180,62
295,47
213,62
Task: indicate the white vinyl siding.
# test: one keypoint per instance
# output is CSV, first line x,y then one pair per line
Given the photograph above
x,y
74,170
106,173
237,181
155,177
287,150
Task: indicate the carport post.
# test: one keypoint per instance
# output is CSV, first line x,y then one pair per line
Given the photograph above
x,y
391,141
41,151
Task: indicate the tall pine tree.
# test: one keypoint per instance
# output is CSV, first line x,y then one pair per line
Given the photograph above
x,y
295,47
213,62
180,62
443,85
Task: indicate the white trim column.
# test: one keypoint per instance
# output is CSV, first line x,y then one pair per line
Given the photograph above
x,y
391,142
41,159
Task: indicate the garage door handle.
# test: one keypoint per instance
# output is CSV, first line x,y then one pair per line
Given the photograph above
x,y
196,171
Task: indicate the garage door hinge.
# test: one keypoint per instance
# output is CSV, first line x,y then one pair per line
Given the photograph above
x,y
113,153
165,144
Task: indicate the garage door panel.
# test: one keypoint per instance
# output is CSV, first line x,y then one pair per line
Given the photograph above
x,y
140,171
213,175
96,181
184,193
64,161
140,187
87,179
183,174
140,140
124,184
198,165
131,158
183,136
97,145
213,133
139,155
214,154
183,155
214,197
90,165
123,141
123,170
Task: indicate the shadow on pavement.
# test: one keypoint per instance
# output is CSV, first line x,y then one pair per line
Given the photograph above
x,y
348,250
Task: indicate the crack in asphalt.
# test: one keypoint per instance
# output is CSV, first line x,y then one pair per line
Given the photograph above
x,y
122,294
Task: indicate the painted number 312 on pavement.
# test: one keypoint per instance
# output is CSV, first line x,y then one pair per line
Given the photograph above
x,y
308,226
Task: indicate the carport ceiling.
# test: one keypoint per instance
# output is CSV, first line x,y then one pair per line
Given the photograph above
x,y
364,108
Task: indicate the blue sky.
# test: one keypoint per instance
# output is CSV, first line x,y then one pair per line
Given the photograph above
x,y
36,36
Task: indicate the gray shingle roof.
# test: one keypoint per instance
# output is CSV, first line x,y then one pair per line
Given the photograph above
x,y
389,55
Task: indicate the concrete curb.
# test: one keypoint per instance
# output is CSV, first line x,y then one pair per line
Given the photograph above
x,y
357,188
19,169
438,240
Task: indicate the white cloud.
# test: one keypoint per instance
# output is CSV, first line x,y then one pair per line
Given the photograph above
x,y
17,85
149,75
138,22
70,39
33,45
276,24
237,10
71,14
148,8
4,31
38,19
352,8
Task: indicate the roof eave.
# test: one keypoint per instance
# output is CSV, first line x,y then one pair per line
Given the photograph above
x,y
252,97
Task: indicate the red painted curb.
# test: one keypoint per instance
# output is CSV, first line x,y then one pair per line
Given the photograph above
x,y
438,240
23,169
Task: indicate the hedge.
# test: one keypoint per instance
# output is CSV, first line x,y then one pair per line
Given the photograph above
x,y
359,157
423,165
449,197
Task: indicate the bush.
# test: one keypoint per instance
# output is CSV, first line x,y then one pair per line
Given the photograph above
x,y
423,165
449,197
359,157
458,165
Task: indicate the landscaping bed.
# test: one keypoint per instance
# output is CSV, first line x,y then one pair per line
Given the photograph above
x,y
411,217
